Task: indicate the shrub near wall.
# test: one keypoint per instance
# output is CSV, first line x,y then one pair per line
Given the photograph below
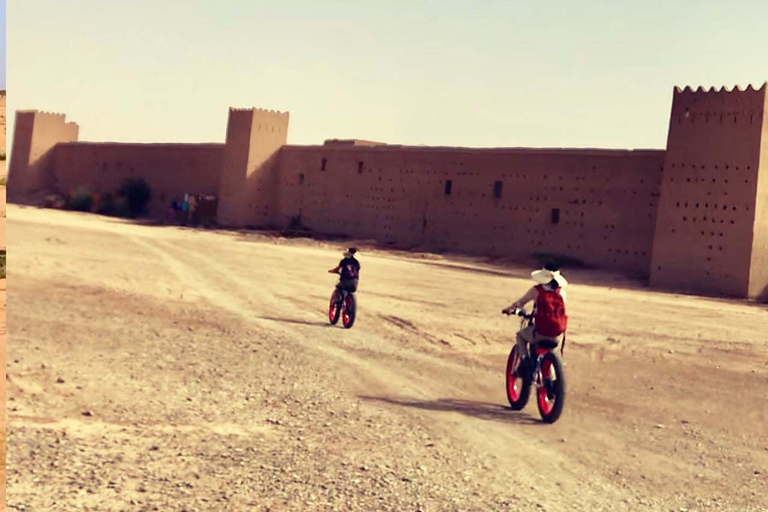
x,y
129,201
80,201
136,193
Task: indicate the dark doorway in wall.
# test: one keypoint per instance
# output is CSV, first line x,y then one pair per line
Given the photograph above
x,y
555,215
359,167
322,164
497,187
448,187
301,179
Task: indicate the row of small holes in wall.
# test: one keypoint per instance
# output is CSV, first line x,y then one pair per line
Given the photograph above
x,y
545,177
702,167
627,252
717,117
497,185
706,219
715,206
704,233
367,206
613,192
703,181
497,193
519,176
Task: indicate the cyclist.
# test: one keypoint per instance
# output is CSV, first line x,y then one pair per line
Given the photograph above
x,y
550,319
348,270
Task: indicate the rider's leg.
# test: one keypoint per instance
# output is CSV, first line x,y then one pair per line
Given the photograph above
x,y
524,338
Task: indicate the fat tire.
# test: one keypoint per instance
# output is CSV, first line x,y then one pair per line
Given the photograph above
x,y
560,388
348,324
525,390
333,316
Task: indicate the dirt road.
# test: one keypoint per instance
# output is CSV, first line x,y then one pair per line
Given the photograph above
x,y
154,368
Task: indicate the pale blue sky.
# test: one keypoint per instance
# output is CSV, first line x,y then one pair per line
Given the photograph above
x,y
2,44
438,72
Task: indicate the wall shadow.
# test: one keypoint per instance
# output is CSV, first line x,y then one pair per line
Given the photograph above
x,y
481,410
763,297
519,269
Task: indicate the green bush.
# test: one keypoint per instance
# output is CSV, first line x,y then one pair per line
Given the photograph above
x,y
80,201
121,208
136,193
107,205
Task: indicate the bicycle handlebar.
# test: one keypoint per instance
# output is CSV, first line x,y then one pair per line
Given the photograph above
x,y
518,312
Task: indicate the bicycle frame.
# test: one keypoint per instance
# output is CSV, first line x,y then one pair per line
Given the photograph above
x,y
526,319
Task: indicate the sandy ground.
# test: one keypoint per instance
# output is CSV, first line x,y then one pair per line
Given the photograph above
x,y
155,368
2,344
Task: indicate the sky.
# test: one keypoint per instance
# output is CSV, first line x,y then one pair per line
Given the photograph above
x,y
2,44
476,73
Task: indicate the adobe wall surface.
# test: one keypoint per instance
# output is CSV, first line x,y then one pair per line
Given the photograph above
x,y
35,135
758,282
597,206
169,169
248,187
704,237
693,217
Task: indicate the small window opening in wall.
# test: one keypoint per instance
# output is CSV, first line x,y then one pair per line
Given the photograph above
x,y
301,179
497,186
555,216
448,187
359,167
323,163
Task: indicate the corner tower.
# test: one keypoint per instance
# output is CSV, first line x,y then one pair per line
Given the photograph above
x,y
711,225
34,137
249,182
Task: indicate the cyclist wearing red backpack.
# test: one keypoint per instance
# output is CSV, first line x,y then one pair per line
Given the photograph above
x,y
550,320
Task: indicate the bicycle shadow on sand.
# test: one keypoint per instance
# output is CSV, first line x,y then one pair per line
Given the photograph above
x,y
480,410
318,323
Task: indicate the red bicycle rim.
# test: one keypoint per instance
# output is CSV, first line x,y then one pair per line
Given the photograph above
x,y
545,403
332,308
513,386
344,312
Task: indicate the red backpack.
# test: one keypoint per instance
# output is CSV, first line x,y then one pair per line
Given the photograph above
x,y
551,319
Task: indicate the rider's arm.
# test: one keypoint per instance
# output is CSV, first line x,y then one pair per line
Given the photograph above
x,y
335,270
525,299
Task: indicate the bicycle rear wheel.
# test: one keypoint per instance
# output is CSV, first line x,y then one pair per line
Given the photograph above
x,y
518,383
